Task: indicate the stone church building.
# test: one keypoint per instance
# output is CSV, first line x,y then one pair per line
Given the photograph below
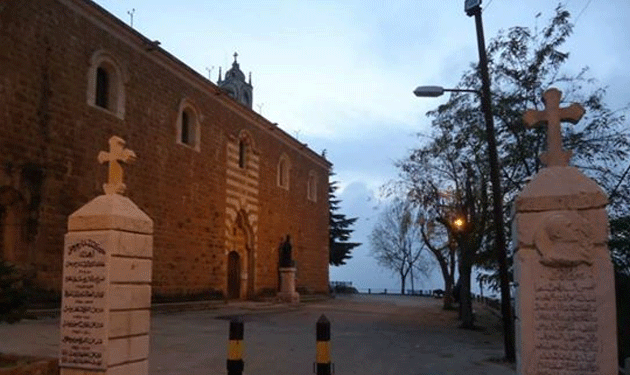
x,y
222,184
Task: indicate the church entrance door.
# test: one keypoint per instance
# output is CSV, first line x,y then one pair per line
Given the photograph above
x,y
234,276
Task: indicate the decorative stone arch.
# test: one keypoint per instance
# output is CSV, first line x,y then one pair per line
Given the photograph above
x,y
106,84
284,171
188,127
13,236
241,236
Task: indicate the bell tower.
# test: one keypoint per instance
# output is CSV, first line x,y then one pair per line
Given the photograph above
x,y
235,85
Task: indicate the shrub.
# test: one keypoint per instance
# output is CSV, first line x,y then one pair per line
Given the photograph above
x,y
13,294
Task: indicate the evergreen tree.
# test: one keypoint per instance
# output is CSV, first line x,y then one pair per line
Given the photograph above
x,y
340,229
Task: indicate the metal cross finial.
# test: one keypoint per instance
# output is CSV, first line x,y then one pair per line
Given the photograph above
x,y
552,116
117,153
235,56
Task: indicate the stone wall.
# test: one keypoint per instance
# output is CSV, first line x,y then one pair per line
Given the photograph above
x,y
51,136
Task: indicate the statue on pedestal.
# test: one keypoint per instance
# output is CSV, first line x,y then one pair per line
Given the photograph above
x,y
286,259
287,273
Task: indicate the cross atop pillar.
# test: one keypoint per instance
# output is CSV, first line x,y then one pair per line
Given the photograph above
x,y
553,115
117,153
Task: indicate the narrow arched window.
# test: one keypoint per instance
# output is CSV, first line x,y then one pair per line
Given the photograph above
x,y
282,173
102,88
311,187
284,167
106,84
185,128
242,153
188,128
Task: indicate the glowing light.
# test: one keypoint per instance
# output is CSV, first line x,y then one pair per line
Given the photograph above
x,y
459,223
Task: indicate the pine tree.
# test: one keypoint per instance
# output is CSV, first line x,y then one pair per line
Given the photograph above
x,y
340,230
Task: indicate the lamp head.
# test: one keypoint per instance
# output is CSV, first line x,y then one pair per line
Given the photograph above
x,y
428,91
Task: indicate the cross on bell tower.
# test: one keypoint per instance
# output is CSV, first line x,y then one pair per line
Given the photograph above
x,y
235,85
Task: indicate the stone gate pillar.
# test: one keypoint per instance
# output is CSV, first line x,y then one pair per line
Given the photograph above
x,y
565,300
106,294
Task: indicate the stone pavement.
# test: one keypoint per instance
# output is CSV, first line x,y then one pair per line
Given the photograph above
x,y
371,334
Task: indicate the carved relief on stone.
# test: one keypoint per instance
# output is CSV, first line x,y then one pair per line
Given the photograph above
x,y
564,240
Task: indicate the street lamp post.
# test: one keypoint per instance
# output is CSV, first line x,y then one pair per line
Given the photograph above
x,y
473,9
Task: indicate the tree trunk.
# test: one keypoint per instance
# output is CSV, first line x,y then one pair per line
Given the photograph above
x,y
446,275
448,291
464,297
452,246
403,277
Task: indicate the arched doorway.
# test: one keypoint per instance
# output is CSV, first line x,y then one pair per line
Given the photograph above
x,y
234,275
243,244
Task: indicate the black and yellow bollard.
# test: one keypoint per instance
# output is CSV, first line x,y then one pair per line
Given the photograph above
x,y
322,332
235,362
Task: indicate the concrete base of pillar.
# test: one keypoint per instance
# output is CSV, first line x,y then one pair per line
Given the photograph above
x,y
287,286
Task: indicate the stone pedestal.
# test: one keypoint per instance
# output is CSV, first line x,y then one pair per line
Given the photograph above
x,y
106,295
287,285
565,300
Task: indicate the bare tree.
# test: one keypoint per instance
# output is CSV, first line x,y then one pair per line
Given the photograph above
x,y
396,241
442,245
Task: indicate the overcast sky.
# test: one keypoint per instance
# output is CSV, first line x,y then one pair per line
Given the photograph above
x,y
339,75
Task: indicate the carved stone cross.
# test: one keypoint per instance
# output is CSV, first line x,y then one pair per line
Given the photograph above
x,y
117,153
552,116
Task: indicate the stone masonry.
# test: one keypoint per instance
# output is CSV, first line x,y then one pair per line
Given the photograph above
x,y
71,76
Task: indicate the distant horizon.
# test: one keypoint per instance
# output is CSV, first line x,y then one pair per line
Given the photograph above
x,y
433,281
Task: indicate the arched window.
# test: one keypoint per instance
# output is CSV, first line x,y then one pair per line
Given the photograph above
x,y
102,88
242,153
284,168
246,149
185,127
106,82
188,129
311,187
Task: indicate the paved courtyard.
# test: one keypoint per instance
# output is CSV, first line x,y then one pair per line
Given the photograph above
x,y
371,335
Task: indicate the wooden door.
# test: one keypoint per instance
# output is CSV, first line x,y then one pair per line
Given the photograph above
x,y
234,276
